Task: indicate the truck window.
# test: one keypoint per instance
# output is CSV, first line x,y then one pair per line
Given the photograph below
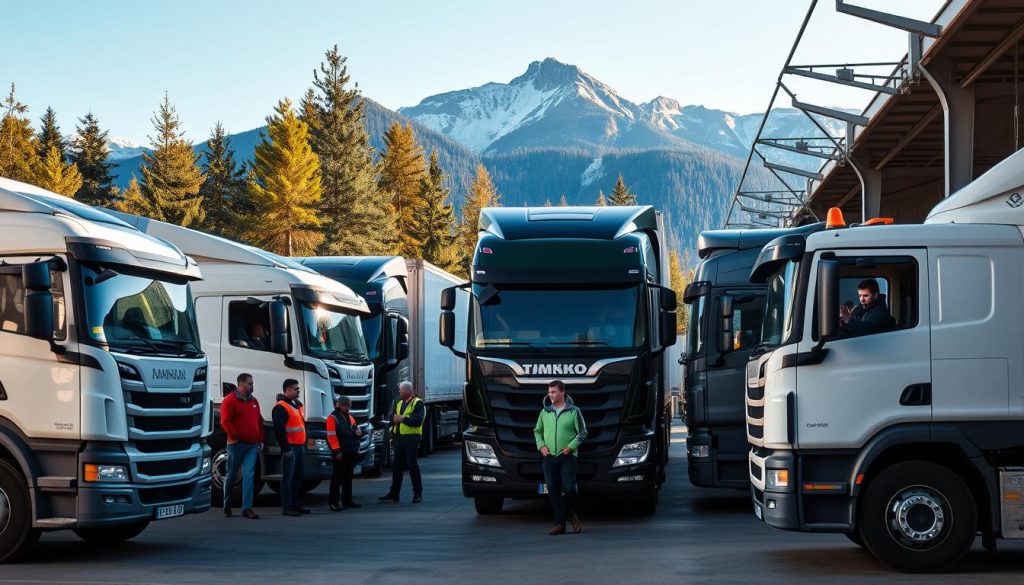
x,y
896,305
695,331
747,316
249,325
12,304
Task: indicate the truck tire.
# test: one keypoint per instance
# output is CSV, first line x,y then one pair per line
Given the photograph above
x,y
112,534
488,505
429,433
918,517
17,536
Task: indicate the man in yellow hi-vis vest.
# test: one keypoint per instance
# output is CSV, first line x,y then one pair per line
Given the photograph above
x,y
406,431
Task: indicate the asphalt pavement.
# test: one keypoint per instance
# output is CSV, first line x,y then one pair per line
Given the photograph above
x,y
697,536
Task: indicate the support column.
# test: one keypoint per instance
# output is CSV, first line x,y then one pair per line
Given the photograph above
x,y
958,117
870,188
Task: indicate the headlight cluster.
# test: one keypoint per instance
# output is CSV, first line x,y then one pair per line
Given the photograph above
x,y
776,478
106,473
633,453
379,435
320,445
481,454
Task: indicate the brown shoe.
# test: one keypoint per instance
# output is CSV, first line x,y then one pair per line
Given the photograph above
x,y
250,514
577,526
558,529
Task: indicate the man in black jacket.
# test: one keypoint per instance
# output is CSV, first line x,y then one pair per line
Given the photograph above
x,y
290,431
871,316
343,437
406,431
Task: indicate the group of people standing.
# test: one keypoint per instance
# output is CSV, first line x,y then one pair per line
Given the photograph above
x,y
559,430
243,424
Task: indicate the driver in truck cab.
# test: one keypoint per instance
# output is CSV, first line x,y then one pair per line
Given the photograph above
x,y
871,316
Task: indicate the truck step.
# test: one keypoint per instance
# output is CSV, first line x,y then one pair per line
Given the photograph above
x,y
54,523
53,482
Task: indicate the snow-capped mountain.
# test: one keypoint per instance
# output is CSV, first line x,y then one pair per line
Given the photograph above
x,y
122,148
557,105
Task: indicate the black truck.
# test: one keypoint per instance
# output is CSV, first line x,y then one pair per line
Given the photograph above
x,y
726,311
578,294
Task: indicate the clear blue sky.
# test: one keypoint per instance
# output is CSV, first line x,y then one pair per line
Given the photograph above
x,y
232,61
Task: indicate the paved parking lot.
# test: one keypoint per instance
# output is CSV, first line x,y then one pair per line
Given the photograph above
x,y
697,536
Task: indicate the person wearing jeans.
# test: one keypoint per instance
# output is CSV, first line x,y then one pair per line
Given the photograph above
x,y
559,431
290,431
240,418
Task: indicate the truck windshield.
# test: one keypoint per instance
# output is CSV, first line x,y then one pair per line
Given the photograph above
x,y
778,318
137,313
695,329
371,333
593,317
330,334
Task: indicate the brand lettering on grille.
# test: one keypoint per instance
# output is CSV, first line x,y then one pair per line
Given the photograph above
x,y
168,374
554,369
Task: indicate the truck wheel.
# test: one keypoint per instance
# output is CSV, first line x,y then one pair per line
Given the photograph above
x,y
645,505
309,485
112,534
429,432
17,536
918,517
488,505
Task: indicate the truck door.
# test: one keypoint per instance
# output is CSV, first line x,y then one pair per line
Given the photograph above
x,y
245,348
868,380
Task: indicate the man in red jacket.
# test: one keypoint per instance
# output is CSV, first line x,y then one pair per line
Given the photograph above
x,y
240,418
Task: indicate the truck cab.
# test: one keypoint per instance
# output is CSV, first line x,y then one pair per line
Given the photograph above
x,y
577,294
104,404
724,331
273,318
906,436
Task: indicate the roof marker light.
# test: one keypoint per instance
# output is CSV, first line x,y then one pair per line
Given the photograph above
x,y
486,251
835,219
879,221
630,250
371,293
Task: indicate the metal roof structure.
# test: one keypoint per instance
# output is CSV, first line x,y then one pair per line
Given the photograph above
x,y
949,111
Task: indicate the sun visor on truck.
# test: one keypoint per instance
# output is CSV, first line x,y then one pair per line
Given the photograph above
x,y
107,252
777,250
322,297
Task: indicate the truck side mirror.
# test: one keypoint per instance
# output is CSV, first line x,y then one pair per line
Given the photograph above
x,y
696,290
828,299
38,300
725,304
667,327
667,299
448,299
279,327
447,328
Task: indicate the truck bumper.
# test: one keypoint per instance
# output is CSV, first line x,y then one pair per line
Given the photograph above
x,y
523,477
820,496
776,507
718,457
112,504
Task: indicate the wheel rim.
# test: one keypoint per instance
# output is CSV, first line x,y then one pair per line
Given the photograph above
x,y
5,511
918,517
219,469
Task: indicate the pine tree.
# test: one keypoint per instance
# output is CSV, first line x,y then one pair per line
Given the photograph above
x,y
54,174
224,189
438,220
678,284
308,111
563,202
19,156
547,202
357,216
286,187
50,136
620,194
602,201
171,178
402,167
132,201
481,194
89,153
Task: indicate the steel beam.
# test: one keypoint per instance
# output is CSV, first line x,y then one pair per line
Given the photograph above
x,y
928,29
793,171
910,135
834,79
958,117
994,55
831,113
786,147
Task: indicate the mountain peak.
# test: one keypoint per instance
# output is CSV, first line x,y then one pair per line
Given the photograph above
x,y
550,73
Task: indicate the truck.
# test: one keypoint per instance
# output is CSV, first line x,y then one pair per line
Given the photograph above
x,y
581,295
401,333
104,404
909,439
724,330
273,318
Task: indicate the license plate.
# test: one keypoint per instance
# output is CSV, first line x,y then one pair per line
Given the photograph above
x,y
758,512
542,488
170,511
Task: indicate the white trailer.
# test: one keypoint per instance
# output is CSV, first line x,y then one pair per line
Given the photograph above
x,y
103,385
437,374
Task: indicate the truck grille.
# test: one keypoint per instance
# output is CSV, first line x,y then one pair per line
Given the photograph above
x,y
362,399
515,407
164,429
755,400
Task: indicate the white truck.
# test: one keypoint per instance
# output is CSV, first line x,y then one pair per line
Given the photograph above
x,y
273,318
909,439
103,383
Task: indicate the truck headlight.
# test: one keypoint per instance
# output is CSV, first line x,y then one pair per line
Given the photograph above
x,y
206,466
633,453
378,435
320,445
481,454
776,478
109,473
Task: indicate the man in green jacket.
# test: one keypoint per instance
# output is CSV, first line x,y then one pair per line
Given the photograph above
x,y
559,431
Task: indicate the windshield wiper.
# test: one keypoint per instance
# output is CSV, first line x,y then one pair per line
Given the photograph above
x,y
168,344
581,342
488,344
152,345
